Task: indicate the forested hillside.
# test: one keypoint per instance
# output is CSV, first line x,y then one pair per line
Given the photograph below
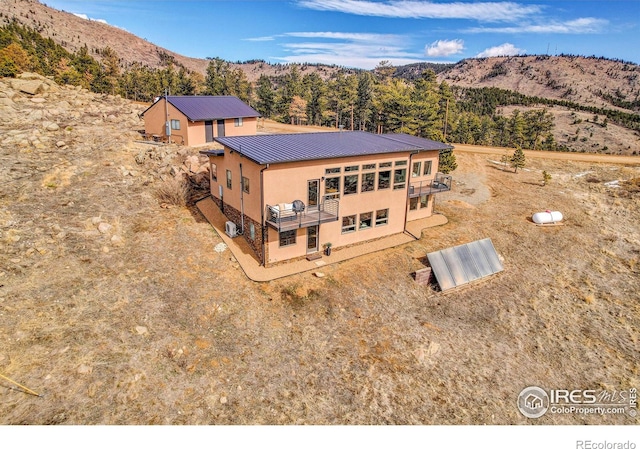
x,y
531,102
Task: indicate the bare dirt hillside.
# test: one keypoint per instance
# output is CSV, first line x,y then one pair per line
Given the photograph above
x,y
119,308
73,32
583,80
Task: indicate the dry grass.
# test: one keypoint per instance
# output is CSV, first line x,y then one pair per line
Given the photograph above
x,y
160,329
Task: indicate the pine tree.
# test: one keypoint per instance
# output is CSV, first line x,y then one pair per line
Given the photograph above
x,y
447,162
518,161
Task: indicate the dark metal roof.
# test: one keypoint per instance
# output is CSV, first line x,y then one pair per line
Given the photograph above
x,y
201,107
273,148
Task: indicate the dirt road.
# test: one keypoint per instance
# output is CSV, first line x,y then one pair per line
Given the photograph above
x,y
559,156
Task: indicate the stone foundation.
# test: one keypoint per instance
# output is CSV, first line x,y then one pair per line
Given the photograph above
x,y
235,216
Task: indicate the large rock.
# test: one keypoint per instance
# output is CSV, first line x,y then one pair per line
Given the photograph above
x,y
31,87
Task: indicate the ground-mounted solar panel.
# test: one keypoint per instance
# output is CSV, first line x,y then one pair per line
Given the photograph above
x,y
466,263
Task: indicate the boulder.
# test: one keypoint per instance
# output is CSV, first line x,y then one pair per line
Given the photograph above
x,y
31,87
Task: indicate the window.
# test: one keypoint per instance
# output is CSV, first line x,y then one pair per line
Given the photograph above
x,y
348,224
350,184
382,217
369,167
427,168
330,171
228,179
368,182
384,179
401,163
288,238
399,178
413,203
365,220
415,172
245,184
352,168
332,188
385,164
424,201
214,172
238,122
175,124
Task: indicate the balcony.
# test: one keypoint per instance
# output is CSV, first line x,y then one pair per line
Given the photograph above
x,y
285,217
441,183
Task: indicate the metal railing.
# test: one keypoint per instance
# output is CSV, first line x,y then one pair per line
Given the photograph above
x,y
288,219
441,183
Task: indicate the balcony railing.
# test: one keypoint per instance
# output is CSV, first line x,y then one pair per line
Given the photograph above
x,y
441,183
283,218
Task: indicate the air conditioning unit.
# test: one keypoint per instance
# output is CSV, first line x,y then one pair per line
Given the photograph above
x,y
230,229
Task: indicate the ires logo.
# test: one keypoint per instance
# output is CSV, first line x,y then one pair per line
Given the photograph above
x,y
533,402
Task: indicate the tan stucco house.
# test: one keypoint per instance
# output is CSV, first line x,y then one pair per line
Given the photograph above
x,y
289,194
198,119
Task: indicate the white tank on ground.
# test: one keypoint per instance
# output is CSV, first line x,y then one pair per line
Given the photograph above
x,y
547,217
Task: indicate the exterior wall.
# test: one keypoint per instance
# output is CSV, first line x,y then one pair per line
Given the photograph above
x,y
191,133
284,183
423,158
156,116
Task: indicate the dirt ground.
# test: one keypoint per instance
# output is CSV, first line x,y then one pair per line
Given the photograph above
x,y
119,311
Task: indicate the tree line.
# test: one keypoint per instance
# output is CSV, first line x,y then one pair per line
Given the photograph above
x,y
377,101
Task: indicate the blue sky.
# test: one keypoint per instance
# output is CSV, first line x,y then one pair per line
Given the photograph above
x,y
361,33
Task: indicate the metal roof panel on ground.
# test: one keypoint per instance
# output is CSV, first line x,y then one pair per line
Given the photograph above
x,y
459,265
275,148
205,107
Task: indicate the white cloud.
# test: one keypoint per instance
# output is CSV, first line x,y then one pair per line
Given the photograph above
x,y
260,39
444,48
418,9
85,17
583,25
505,49
362,50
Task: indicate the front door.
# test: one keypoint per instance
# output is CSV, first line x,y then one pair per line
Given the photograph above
x,y
313,193
220,128
312,239
208,131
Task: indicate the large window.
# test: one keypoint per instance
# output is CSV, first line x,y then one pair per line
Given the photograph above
x,y
229,183
175,124
427,168
365,220
368,182
238,122
399,178
332,188
348,224
350,184
382,217
288,238
384,179
214,172
413,203
245,184
415,171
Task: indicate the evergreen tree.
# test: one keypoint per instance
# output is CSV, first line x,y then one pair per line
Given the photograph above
x,y
447,161
364,101
266,96
518,160
546,177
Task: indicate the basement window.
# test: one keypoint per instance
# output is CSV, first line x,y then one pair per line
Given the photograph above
x,y
288,238
365,220
348,224
382,217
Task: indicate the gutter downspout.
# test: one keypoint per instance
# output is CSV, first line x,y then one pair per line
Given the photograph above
x,y
262,223
406,204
